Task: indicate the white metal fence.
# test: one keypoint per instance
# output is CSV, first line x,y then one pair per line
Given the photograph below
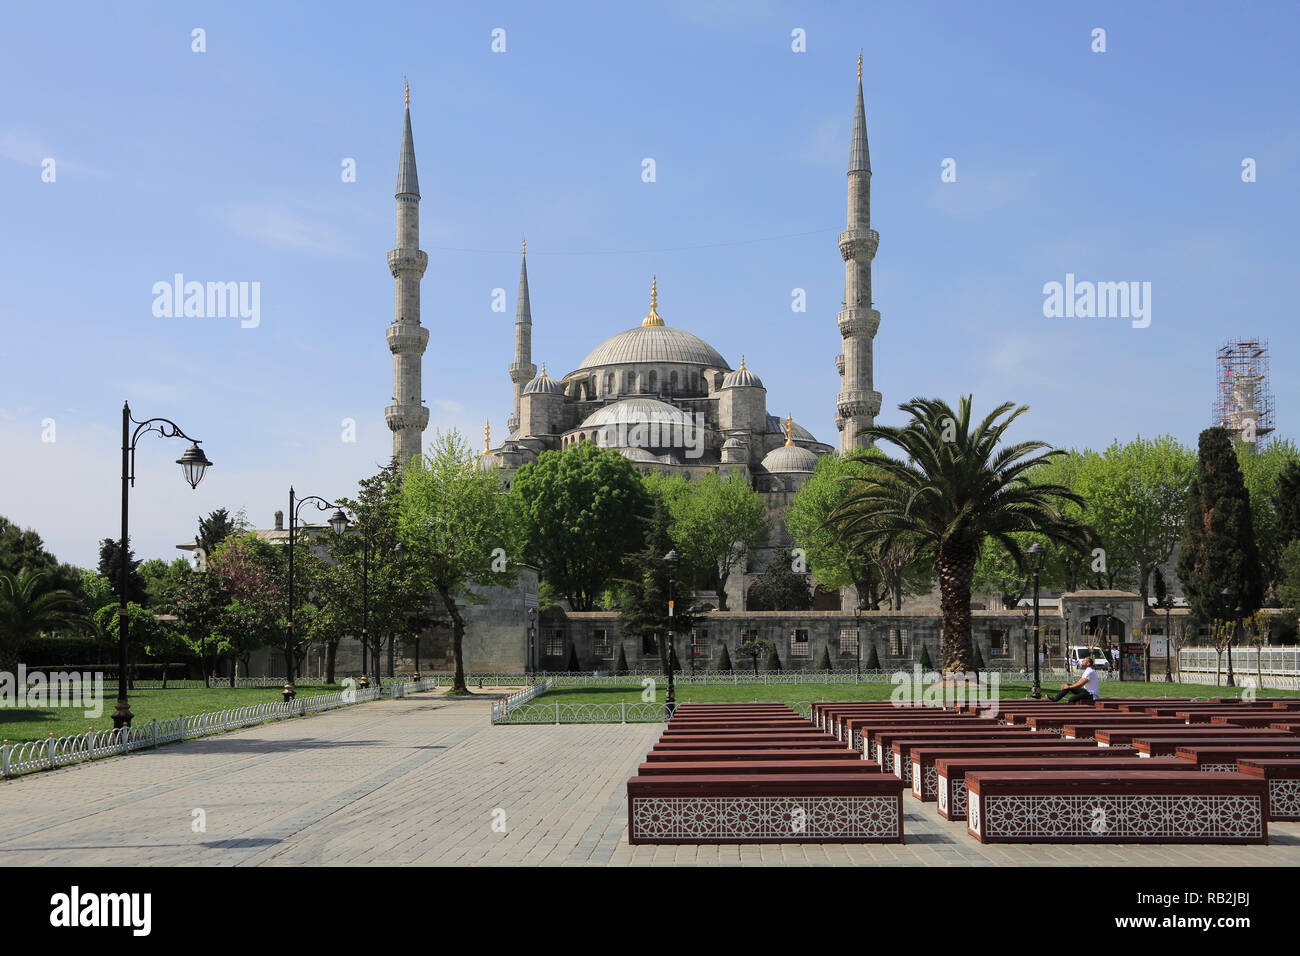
x,y
32,755
501,709
620,712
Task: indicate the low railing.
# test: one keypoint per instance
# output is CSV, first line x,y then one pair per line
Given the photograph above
x,y
398,689
501,709
32,755
620,712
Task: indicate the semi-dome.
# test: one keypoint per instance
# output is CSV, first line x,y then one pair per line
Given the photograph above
x,y
637,411
733,443
789,459
742,378
544,384
637,454
654,344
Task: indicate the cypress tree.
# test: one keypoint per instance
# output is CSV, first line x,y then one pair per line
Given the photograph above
x,y
873,662
620,666
1219,548
1286,502
724,660
926,665
573,667
825,663
773,660
977,657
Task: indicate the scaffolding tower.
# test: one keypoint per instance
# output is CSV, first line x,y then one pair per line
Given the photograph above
x,y
1245,402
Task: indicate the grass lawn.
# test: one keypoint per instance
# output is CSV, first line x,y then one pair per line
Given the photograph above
x,y
808,692
36,723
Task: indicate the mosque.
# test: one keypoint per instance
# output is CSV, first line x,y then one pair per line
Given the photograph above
x,y
660,395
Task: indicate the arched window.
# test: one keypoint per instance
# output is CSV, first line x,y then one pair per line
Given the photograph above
x,y
609,384
672,382
654,381
631,383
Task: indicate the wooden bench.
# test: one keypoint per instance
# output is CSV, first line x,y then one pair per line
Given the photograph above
x,y
1135,806
1224,757
923,756
784,742
1087,727
765,808
857,730
951,771
884,742
826,755
758,763
824,714
837,722
1157,745
1283,779
1058,722
1109,736
1291,727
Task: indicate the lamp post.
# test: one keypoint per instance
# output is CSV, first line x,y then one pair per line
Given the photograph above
x,y
532,630
338,523
857,631
1036,554
671,559
1110,660
193,464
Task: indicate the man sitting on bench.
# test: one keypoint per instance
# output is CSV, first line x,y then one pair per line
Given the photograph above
x,y
1087,687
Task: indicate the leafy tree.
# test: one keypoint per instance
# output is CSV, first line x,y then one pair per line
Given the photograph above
x,y
110,566
452,518
1286,504
724,659
577,515
779,587
216,528
30,605
1289,575
958,486
716,522
1262,472
201,605
163,581
148,635
1219,549
24,550
95,591
1136,496
754,649
644,612
825,663
254,574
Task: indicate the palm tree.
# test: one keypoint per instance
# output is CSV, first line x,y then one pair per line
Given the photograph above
x,y
956,489
29,606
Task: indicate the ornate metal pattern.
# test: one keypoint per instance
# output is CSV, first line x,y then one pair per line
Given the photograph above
x,y
959,807
755,819
943,795
1284,799
1218,768
930,785
885,758
1117,815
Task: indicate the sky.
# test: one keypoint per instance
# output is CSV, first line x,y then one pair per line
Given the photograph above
x,y
227,164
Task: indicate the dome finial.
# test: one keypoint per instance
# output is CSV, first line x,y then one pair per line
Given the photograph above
x,y
408,92
789,429
653,318
487,436
525,245
742,361
859,66
543,368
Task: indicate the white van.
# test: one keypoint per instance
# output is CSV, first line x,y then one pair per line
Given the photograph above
x,y
1099,659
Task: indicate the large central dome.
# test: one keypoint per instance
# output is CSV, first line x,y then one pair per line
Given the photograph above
x,y
649,344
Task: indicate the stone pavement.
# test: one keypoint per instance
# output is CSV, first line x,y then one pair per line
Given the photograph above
x,y
423,781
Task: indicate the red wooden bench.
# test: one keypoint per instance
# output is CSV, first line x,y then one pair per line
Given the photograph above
x,y
758,763
883,742
1086,728
836,722
1135,806
1156,745
1291,727
1058,722
923,756
1283,779
1224,757
735,742
765,808
1108,736
857,731
950,772
823,755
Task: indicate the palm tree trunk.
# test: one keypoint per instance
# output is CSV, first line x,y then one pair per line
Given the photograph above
x,y
956,567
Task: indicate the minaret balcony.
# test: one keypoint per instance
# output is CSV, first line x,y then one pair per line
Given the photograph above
x,y
405,338
522,372
859,322
400,417
405,262
839,364
859,242
857,403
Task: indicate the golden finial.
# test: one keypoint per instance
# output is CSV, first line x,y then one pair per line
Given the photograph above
x,y
653,318
487,436
789,429
525,245
543,368
859,65
408,92
742,363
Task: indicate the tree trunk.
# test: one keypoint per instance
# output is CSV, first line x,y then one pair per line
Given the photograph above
x,y
288,663
164,680
331,655
955,566
722,591
457,641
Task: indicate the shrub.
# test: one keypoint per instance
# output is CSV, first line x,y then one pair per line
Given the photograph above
x,y
925,658
873,662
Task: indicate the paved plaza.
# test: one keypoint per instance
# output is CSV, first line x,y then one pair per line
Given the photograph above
x,y
426,780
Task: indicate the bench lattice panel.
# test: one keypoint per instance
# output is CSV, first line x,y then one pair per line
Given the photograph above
x,y
1108,817
764,818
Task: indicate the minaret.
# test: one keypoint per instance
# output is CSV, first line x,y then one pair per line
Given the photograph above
x,y
858,403
407,416
522,369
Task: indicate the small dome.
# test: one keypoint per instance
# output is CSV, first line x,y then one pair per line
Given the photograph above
x,y
733,443
789,459
637,454
742,378
543,384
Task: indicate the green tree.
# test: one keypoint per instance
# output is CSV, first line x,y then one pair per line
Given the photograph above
x,y
216,528
825,663
253,574
1219,549
23,550
573,666
780,587
201,605
1286,504
754,649
976,658
873,662
773,658
716,523
95,591
1262,472
30,605
1289,575
958,486
620,666
576,515
110,566
644,612
452,519
925,662
724,659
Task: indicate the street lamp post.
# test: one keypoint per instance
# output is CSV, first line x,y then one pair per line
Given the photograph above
x,y
193,464
1036,553
532,630
1167,602
338,523
1109,658
1228,595
857,631
671,559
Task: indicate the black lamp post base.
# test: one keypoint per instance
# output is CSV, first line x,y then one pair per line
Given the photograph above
x,y
122,715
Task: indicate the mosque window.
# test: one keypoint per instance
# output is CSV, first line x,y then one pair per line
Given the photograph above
x,y
672,382
654,381
631,383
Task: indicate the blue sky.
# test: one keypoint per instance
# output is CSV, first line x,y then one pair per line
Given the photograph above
x,y
225,166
